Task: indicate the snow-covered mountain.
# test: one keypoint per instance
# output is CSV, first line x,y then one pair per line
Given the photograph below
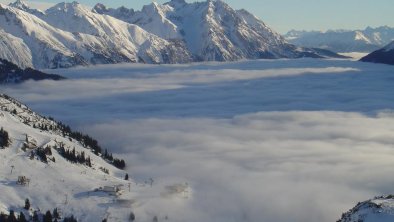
x,y
211,30
384,55
366,40
11,73
43,161
19,4
379,209
68,34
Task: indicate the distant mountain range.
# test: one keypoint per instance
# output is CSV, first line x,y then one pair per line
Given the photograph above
x,y
384,55
11,73
367,40
70,34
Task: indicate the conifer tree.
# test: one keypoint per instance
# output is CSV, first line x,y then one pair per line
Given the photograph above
x,y
56,214
27,204
35,216
11,217
22,217
48,217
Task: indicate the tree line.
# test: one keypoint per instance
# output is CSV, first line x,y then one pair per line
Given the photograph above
x,y
89,142
48,216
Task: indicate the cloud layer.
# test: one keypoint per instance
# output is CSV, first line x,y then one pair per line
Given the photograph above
x,y
274,166
288,140
99,94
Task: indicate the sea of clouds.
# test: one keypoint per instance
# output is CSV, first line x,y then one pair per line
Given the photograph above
x,y
288,140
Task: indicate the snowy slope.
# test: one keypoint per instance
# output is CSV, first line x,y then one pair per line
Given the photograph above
x,y
48,45
53,182
366,40
212,30
22,5
73,188
384,55
379,209
132,41
68,35
152,18
14,49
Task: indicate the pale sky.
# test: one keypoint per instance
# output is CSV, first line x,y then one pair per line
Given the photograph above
x,y
284,15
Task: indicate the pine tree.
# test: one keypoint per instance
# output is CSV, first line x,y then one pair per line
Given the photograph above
x,y
132,216
11,217
155,219
48,217
4,138
56,214
3,217
35,216
22,217
27,204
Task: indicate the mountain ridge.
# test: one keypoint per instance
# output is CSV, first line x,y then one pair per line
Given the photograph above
x,y
373,210
12,74
221,33
384,55
366,40
70,34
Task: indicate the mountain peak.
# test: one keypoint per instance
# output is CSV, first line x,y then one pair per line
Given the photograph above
x,y
389,47
73,7
100,8
19,4
176,3
22,5
370,210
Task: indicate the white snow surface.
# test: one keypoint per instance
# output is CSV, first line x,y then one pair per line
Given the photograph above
x,y
9,45
286,140
211,30
69,34
66,186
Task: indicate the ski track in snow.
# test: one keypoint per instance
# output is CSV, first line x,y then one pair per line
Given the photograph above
x,y
285,140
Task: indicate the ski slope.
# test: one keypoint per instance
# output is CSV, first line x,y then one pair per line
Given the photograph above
x,y
67,186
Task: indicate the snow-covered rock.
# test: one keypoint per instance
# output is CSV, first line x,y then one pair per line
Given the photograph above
x,y
379,209
14,49
384,55
68,34
366,40
211,30
71,34
22,5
